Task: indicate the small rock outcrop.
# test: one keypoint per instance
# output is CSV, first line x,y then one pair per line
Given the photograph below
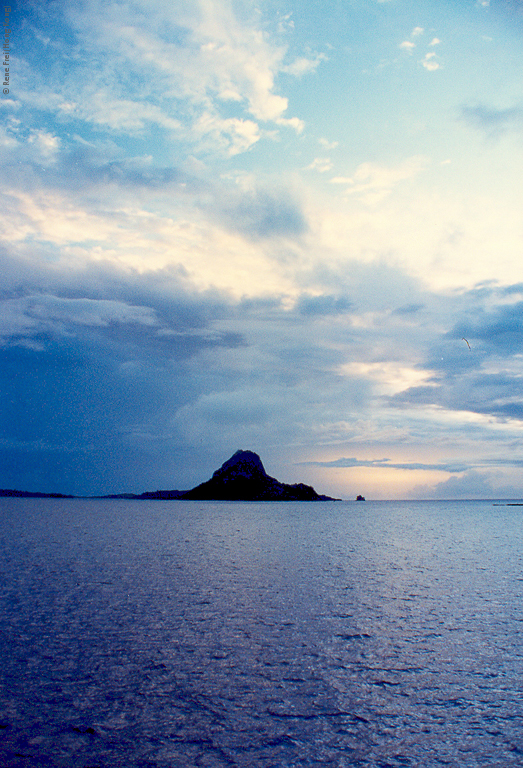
x,y
243,478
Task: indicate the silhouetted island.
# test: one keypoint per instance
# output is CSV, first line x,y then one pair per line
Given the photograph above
x,y
242,478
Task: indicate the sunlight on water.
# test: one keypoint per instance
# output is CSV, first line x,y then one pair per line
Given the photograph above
x,y
215,634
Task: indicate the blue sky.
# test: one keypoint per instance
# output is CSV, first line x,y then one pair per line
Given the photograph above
x,y
266,226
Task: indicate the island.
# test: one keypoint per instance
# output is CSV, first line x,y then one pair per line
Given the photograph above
x,y
240,478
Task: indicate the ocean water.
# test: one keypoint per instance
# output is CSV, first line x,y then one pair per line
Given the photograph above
x,y
181,634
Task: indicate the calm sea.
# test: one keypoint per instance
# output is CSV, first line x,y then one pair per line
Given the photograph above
x,y
182,634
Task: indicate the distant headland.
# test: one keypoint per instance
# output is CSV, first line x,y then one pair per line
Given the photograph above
x,y
240,478
12,493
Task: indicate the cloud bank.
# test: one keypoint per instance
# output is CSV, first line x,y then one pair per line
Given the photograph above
x,y
185,273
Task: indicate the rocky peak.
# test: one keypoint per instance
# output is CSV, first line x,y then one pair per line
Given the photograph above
x,y
243,464
243,478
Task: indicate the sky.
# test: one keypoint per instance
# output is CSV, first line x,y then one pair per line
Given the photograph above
x,y
287,226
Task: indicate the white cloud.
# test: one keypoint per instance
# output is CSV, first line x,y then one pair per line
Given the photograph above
x,y
213,59
46,145
430,63
7,141
328,144
291,122
103,108
221,56
417,31
390,377
437,234
407,45
435,41
303,66
229,94
234,135
320,164
431,66
54,218
373,182
285,24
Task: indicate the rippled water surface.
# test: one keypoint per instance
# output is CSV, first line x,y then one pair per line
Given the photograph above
x,y
213,634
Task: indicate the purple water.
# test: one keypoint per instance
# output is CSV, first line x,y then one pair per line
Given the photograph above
x,y
181,634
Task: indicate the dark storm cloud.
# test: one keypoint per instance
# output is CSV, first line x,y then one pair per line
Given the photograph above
x,y
161,299
77,420
117,328
468,361
486,326
82,404
94,367
495,395
502,329
496,329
